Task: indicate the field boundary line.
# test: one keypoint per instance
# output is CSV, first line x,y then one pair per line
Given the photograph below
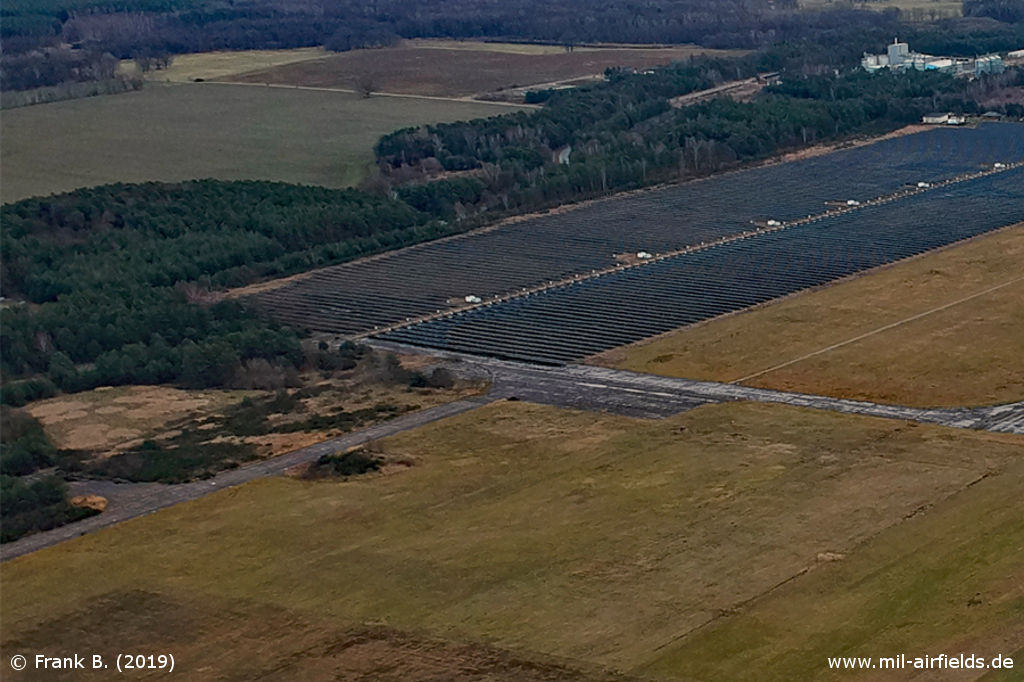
x,y
348,91
734,609
879,330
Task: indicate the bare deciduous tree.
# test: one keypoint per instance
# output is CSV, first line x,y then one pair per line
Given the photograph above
x,y
365,85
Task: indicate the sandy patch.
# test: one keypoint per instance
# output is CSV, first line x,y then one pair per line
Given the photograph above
x,y
89,502
57,409
110,419
98,436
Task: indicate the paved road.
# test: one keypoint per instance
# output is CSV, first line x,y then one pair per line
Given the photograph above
x,y
648,395
576,386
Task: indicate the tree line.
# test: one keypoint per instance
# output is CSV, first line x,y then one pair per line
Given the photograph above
x,y
30,505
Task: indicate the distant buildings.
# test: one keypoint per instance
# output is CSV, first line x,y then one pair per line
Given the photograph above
x,y
940,118
899,56
936,118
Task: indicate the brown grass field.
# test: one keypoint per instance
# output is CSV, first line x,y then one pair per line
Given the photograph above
x,y
448,69
110,420
187,131
533,543
969,353
209,65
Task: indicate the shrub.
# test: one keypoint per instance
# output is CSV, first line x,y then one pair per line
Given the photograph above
x,y
353,463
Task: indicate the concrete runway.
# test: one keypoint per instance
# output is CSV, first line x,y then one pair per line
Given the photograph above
x,y
580,387
634,394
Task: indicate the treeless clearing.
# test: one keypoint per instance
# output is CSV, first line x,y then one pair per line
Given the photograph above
x,y
180,132
968,353
578,536
449,70
105,419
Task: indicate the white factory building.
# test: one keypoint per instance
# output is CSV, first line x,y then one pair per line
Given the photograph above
x,y
899,56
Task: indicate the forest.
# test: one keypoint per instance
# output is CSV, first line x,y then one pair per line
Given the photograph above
x,y
117,284
199,25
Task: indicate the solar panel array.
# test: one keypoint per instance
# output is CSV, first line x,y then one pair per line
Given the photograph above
x,y
567,323
359,297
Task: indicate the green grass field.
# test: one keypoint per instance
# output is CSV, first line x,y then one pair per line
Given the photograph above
x,y
529,543
179,132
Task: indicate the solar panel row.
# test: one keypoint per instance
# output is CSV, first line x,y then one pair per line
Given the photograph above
x,y
359,297
568,323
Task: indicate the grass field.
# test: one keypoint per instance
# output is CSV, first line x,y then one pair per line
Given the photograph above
x,y
914,9
896,340
108,419
179,132
454,69
208,65
948,582
528,542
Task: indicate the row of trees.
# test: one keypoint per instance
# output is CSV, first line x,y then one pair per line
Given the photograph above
x,y
54,66
11,99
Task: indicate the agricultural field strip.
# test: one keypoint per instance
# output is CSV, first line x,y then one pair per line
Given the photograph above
x,y
704,245
360,297
568,323
401,95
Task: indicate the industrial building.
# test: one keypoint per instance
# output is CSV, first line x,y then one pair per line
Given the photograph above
x,y
899,56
